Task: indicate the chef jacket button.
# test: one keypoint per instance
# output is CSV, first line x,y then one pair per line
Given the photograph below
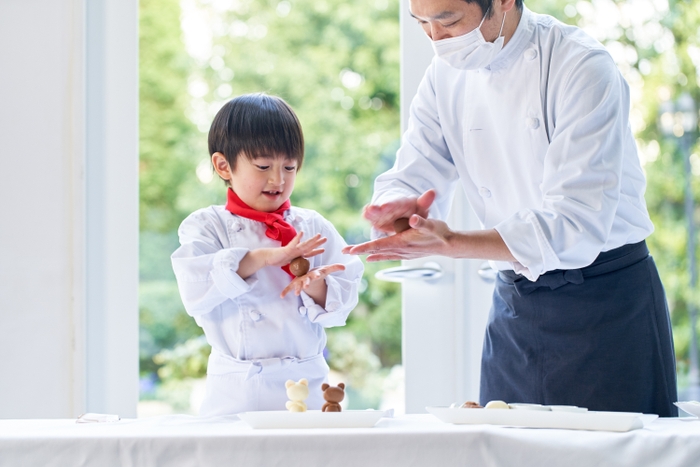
x,y
530,54
533,122
484,192
302,310
255,315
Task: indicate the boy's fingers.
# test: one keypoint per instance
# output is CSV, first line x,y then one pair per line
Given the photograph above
x,y
285,291
313,242
333,268
314,253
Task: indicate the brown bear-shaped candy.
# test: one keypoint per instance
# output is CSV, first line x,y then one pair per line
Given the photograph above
x,y
333,395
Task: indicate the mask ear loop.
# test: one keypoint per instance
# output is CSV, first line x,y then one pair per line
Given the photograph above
x,y
502,23
484,18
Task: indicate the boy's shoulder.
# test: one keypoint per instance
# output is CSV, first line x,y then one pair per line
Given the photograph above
x,y
304,214
309,216
208,215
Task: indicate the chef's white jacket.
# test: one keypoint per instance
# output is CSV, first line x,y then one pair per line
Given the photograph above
x,y
255,335
539,140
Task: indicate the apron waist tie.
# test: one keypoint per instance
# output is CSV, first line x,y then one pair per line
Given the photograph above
x,y
220,363
606,262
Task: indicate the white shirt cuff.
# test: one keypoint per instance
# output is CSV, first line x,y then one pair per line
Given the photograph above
x,y
225,276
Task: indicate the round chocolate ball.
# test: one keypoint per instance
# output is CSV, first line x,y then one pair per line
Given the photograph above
x,y
401,224
299,266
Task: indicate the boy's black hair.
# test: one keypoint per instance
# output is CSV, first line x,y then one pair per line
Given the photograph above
x,y
486,5
258,125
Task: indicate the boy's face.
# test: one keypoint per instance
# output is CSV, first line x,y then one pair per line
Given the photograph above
x,y
263,183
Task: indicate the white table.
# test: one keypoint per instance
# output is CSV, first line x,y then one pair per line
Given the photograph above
x,y
414,440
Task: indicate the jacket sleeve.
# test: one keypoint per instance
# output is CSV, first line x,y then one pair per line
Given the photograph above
x,y
205,270
343,286
582,173
423,161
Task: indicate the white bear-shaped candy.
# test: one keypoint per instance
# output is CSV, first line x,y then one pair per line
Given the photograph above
x,y
297,392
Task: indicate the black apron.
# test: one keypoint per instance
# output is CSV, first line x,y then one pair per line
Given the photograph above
x,y
597,337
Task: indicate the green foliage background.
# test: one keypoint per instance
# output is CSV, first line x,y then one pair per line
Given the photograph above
x,y
337,64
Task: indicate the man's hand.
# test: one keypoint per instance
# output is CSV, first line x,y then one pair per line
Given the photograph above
x,y
382,217
426,237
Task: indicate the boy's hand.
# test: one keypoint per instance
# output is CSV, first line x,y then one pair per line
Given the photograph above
x,y
313,283
295,248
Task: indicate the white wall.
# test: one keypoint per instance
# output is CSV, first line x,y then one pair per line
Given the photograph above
x,y
60,153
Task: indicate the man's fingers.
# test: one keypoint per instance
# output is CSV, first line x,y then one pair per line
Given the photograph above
x,y
418,222
368,247
424,202
384,257
370,211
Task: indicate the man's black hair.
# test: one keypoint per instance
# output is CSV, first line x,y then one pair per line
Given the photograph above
x,y
486,5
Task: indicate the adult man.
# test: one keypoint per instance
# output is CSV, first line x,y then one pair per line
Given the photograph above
x,y
531,117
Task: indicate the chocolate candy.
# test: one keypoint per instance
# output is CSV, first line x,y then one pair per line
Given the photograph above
x,y
471,405
299,266
496,405
333,395
401,224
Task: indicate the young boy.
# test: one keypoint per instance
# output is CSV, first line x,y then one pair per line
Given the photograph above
x,y
232,268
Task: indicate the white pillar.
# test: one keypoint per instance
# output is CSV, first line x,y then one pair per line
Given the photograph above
x,y
62,272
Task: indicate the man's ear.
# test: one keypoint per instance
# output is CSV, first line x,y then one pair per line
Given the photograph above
x,y
506,5
221,165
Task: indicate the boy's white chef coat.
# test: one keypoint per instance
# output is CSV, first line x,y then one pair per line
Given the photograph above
x,y
259,339
541,143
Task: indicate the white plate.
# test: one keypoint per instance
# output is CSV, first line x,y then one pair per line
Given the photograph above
x,y
597,421
567,408
312,419
692,407
541,407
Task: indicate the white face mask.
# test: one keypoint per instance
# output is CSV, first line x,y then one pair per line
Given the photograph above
x,y
469,51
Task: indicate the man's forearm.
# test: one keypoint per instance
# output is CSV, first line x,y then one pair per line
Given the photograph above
x,y
478,244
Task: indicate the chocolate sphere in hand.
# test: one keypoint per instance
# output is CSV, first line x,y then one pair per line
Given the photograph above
x,y
299,266
401,224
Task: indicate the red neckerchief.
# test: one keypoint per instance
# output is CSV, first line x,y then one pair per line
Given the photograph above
x,y
277,228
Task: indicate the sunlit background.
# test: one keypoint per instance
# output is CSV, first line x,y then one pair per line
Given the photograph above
x,y
337,63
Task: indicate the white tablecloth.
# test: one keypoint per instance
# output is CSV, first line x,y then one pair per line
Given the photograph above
x,y
414,440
